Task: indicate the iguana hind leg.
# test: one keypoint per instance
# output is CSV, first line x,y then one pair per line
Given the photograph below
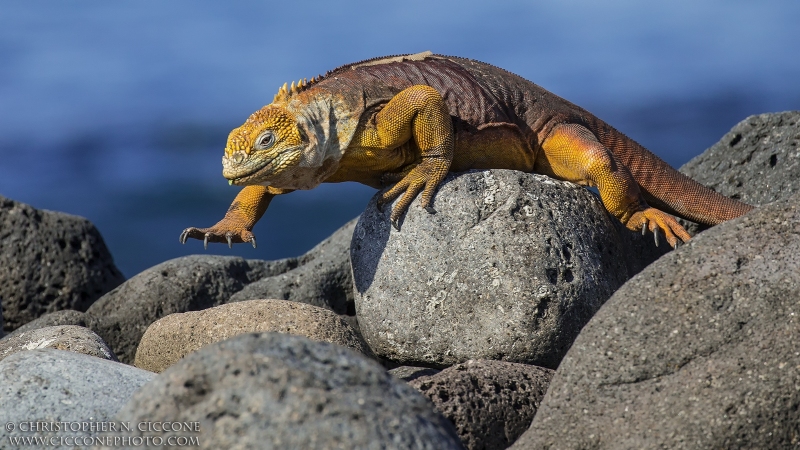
x,y
572,152
419,113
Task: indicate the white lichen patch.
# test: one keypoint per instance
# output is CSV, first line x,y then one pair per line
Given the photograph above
x,y
41,343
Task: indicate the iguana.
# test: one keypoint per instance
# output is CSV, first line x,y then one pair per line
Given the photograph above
x,y
410,119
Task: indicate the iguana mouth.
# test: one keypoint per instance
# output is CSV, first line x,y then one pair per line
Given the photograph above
x,y
258,173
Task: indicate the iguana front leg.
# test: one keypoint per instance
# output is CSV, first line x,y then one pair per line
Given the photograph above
x,y
418,113
572,152
237,225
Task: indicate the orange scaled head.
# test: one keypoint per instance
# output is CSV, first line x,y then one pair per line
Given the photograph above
x,y
269,143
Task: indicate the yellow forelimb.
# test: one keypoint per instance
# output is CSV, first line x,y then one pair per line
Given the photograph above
x,y
417,113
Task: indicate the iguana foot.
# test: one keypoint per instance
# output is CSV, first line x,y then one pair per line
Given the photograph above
x,y
425,178
218,233
658,221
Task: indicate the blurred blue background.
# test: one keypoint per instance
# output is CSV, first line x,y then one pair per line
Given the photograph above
x,y
119,111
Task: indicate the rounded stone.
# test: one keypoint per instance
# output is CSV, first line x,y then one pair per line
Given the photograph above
x,y
171,338
491,403
55,318
48,386
510,267
699,350
71,338
275,390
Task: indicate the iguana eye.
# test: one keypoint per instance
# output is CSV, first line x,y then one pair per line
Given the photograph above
x,y
266,140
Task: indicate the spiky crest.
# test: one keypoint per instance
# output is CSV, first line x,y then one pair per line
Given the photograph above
x,y
286,91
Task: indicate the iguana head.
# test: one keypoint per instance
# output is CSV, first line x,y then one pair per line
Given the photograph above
x,y
264,148
295,142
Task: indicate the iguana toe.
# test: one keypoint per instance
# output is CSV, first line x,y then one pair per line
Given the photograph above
x,y
218,234
657,222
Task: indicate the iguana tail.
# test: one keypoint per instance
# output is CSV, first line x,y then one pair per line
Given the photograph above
x,y
667,189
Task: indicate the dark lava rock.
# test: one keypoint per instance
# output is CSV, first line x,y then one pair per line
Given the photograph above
x,y
49,261
491,403
279,391
322,277
55,318
757,162
697,351
510,268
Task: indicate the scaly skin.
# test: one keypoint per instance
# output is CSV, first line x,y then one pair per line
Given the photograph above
x,y
411,119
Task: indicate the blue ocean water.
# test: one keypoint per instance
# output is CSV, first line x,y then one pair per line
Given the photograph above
x,y
119,111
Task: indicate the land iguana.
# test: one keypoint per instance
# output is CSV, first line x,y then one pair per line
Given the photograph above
x,y
410,119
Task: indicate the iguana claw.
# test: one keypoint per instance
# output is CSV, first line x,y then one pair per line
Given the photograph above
x,y
396,224
658,222
205,241
430,210
230,241
253,241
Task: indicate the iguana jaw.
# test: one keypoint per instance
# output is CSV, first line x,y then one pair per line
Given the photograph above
x,y
242,169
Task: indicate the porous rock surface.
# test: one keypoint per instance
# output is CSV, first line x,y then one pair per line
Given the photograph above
x,y
322,277
64,337
510,268
49,385
190,283
757,162
55,318
272,390
699,350
171,338
49,261
491,403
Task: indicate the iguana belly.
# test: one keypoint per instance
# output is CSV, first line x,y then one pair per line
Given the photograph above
x,y
493,146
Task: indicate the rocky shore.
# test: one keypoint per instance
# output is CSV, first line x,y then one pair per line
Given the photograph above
x,y
521,315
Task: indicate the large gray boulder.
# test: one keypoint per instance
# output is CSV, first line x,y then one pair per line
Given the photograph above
x,y
49,385
510,268
64,337
757,162
491,403
49,261
697,351
173,337
274,390
190,283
